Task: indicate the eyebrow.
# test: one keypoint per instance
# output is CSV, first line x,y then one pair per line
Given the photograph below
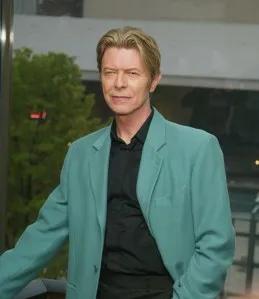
x,y
108,68
133,69
127,70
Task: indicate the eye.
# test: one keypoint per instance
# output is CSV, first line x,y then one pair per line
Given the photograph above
x,y
133,73
108,73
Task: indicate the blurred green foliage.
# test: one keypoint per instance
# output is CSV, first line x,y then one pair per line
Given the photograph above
x,y
50,83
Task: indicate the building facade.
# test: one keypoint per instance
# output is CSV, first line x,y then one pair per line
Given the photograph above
x,y
229,11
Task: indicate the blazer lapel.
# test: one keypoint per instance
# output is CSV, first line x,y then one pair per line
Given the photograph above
x,y
150,166
99,175
148,174
151,161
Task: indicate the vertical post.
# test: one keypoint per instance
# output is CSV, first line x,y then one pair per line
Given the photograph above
x,y
250,256
251,246
6,41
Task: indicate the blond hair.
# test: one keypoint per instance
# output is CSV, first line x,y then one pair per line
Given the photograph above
x,y
131,38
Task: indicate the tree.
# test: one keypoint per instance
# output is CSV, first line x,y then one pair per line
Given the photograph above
x,y
52,84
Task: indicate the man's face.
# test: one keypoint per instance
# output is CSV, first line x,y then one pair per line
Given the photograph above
x,y
126,81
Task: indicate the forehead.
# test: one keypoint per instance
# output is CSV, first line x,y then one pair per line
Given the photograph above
x,y
122,58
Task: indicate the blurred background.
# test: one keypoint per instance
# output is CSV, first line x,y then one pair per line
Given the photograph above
x,y
50,95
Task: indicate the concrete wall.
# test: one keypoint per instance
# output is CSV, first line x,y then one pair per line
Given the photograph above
x,y
243,11
193,53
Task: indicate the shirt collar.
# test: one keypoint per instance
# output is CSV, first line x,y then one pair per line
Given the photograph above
x,y
142,132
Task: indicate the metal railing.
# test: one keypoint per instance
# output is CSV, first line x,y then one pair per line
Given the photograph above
x,y
245,210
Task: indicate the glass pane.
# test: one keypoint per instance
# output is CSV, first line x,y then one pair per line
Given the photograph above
x,y
72,8
25,7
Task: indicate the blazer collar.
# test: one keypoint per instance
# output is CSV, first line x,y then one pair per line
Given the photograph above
x,y
156,136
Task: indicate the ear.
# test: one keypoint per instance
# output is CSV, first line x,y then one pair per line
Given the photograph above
x,y
155,82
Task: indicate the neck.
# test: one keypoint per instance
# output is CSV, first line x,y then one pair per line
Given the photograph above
x,y
128,125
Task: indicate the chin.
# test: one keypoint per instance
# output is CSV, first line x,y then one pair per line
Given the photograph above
x,y
121,111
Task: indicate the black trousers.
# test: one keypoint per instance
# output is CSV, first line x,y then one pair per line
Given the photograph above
x,y
120,286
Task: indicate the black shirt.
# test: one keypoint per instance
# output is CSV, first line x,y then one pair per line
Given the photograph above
x,y
128,247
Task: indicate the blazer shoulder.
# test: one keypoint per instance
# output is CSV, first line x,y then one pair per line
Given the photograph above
x,y
87,141
187,137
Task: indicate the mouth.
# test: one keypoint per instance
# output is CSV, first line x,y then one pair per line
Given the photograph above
x,y
120,99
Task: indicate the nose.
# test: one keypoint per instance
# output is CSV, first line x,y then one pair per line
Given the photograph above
x,y
120,81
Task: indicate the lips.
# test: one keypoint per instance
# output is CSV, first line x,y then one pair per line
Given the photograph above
x,y
120,97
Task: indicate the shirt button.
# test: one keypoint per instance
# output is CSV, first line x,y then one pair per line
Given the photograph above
x,y
95,269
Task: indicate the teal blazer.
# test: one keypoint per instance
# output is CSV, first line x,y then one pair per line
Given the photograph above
x,y
183,195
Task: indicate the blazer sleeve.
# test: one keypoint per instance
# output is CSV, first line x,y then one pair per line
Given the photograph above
x,y
38,244
213,229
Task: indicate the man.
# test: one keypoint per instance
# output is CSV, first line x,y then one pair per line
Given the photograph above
x,y
144,202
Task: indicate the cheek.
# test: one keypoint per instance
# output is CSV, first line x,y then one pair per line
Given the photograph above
x,y
143,90
105,87
138,86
